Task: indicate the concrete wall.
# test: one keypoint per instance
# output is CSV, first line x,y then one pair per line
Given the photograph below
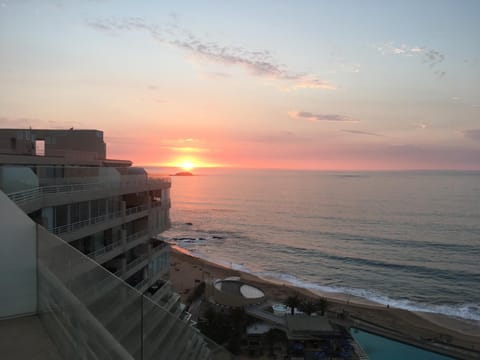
x,y
17,141
71,144
18,260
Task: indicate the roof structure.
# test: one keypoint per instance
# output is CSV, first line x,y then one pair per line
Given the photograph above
x,y
303,327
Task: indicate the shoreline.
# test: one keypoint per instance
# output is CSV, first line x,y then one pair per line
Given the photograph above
x,y
414,327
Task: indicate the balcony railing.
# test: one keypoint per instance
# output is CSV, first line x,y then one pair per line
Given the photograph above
x,y
81,224
135,262
136,235
79,315
141,284
97,220
136,209
105,249
37,193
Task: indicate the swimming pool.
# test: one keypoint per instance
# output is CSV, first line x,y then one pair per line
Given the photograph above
x,y
380,348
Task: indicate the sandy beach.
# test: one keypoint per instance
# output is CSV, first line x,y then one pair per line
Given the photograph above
x,y
456,337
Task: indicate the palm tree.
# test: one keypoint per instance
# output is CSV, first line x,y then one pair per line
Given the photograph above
x,y
308,306
292,302
322,305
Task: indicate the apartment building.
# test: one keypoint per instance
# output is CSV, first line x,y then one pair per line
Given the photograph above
x,y
79,249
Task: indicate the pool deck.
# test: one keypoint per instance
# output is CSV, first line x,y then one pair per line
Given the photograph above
x,y
25,338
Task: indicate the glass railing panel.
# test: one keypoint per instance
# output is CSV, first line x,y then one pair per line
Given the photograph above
x,y
161,328
91,313
88,308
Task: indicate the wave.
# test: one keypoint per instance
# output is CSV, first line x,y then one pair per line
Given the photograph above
x,y
468,311
456,275
389,241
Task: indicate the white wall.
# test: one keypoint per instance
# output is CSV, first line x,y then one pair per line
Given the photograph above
x,y
18,267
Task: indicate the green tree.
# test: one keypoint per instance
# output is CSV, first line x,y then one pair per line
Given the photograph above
x,y
322,305
308,306
293,302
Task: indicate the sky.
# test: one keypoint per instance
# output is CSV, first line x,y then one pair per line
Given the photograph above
x,y
327,85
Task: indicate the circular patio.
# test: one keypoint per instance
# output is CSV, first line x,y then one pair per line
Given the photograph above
x,y
234,292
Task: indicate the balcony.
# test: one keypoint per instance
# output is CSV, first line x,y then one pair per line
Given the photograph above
x,y
40,345
89,226
82,305
92,225
136,210
160,292
142,285
136,238
32,199
158,246
59,230
135,265
164,204
108,252
115,317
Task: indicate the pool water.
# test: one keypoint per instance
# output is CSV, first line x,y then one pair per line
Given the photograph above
x,y
380,348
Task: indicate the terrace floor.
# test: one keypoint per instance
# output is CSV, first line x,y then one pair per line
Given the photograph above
x,y
25,338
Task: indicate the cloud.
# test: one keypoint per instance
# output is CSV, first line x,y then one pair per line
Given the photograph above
x,y
459,101
314,84
320,117
473,134
281,137
430,57
433,58
440,74
421,125
258,63
189,149
390,48
216,75
359,132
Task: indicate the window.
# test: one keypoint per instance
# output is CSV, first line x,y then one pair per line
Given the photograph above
x,y
40,147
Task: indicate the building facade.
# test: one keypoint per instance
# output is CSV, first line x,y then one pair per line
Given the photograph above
x,y
86,237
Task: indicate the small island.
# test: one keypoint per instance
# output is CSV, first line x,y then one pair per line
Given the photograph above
x,y
183,173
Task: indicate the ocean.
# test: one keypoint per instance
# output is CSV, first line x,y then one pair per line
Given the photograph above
x,y
406,239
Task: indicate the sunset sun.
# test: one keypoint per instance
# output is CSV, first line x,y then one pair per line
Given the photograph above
x,y
187,165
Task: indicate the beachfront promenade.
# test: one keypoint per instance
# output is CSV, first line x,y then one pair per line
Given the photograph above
x,y
451,337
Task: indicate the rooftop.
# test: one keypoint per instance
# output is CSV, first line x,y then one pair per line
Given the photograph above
x,y
304,326
45,146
